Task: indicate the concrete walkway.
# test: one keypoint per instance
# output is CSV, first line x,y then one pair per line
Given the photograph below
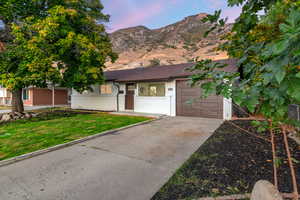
x,y
130,165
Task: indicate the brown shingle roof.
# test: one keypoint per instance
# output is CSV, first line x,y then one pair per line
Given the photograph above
x,y
158,73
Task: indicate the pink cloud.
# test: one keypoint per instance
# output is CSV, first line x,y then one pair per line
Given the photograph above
x,y
217,4
232,13
128,13
175,1
139,16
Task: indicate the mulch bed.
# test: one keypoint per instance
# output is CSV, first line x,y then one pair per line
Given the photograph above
x,y
230,162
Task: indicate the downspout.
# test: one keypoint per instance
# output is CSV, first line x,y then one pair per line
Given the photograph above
x,y
170,105
118,92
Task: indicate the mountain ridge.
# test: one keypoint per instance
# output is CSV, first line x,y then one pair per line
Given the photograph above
x,y
176,43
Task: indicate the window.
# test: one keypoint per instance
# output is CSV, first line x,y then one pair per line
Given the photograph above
x,y
152,89
25,94
106,89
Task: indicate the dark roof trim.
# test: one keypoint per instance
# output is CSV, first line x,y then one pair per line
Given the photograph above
x,y
144,80
159,73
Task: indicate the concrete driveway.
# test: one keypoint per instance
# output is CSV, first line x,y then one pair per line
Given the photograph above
x,y
130,165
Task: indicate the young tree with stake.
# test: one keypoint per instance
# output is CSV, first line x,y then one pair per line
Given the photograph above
x,y
265,41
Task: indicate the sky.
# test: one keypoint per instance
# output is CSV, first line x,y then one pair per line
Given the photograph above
x,y
1,24
158,13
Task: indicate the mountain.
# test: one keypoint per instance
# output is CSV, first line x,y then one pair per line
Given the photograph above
x,y
173,44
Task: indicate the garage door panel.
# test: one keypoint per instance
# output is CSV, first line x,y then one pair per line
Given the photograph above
x,y
205,107
194,100
192,92
188,96
201,101
189,102
201,109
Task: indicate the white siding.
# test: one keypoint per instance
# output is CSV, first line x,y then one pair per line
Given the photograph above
x,y
2,92
158,105
155,105
102,103
94,100
227,109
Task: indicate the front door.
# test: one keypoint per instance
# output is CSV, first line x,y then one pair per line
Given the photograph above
x,y
129,97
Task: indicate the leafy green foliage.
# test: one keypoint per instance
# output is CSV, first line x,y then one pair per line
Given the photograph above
x,y
59,41
265,41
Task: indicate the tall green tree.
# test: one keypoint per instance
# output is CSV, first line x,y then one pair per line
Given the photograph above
x,y
265,41
61,42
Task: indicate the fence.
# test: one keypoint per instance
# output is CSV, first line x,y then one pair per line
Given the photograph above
x,y
294,112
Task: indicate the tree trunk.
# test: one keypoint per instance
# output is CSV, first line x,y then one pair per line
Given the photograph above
x,y
17,102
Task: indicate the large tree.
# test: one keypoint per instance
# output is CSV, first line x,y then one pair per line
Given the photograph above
x,y
265,41
60,42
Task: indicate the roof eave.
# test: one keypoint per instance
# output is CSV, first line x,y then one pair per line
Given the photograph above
x,y
144,80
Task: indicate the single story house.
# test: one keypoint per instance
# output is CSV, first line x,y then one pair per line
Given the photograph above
x,y
33,96
157,90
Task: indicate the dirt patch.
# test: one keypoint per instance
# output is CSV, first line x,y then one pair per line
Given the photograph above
x,y
162,149
188,134
230,162
2,155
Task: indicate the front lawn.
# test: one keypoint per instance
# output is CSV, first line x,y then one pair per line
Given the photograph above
x,y
231,162
53,128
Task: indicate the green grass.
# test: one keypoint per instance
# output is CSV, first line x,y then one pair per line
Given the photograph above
x,y
25,136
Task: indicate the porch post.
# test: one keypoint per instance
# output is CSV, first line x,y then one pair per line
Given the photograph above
x,y
53,96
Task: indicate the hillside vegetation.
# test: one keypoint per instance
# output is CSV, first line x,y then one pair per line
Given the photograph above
x,y
176,43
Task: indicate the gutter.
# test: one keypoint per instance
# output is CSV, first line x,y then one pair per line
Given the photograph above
x,y
144,80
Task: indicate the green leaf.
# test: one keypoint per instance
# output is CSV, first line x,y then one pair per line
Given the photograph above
x,y
261,129
256,123
295,160
280,75
280,46
285,28
296,95
238,98
267,77
208,88
251,104
294,88
298,75
278,162
297,52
